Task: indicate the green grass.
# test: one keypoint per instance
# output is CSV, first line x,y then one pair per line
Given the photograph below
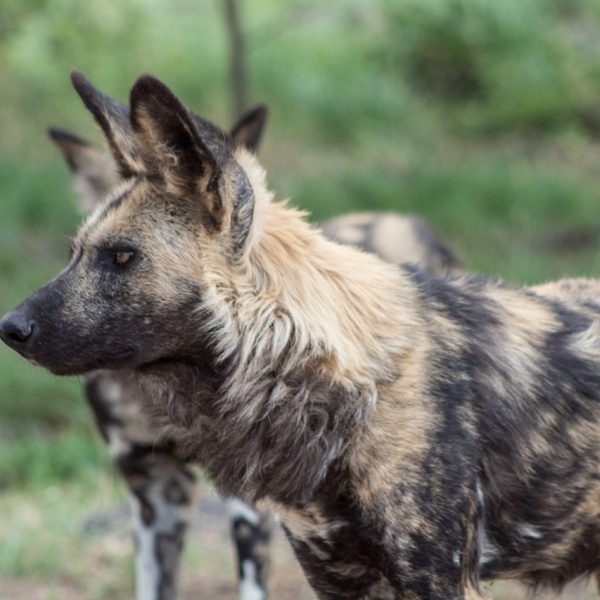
x,y
44,538
39,458
481,116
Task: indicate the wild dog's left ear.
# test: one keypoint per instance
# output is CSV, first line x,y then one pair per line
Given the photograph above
x,y
248,130
173,149
77,152
95,172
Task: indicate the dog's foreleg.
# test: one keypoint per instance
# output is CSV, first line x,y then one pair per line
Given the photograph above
x,y
161,486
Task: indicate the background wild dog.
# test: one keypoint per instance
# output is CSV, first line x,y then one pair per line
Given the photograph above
x,y
396,239
415,433
162,484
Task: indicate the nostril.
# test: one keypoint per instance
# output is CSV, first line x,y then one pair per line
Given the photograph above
x,y
20,334
16,331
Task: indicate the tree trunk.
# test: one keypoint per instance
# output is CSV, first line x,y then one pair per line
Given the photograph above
x,y
237,64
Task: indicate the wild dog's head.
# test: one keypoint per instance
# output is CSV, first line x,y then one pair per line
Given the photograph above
x,y
131,291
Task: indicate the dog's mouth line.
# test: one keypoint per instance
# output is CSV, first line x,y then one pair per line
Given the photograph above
x,y
166,361
123,354
178,366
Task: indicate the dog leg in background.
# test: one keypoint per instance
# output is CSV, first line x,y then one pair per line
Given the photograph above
x,y
161,486
162,498
161,494
251,530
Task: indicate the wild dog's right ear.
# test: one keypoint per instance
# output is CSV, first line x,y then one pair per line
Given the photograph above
x,y
113,119
248,130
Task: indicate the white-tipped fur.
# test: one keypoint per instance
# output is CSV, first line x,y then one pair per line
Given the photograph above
x,y
283,250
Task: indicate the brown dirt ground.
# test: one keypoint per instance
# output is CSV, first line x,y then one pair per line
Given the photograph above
x,y
211,574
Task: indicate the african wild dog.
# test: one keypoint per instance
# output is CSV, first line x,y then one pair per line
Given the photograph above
x,y
118,407
416,434
162,485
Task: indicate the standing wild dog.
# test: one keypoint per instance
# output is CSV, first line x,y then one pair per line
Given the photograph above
x,y
416,434
162,484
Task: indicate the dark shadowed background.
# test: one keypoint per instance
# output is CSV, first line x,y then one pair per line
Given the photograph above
x,y
481,115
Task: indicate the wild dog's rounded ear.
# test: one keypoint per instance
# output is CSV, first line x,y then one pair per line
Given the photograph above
x,y
182,150
248,130
113,119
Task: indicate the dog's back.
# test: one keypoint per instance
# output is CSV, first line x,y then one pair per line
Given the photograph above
x,y
396,238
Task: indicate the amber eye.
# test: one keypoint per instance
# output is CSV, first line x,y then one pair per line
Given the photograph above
x,y
122,257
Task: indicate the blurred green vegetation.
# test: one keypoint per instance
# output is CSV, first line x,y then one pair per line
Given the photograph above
x,y
482,116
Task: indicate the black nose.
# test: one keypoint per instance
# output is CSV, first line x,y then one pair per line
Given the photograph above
x,y
16,329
